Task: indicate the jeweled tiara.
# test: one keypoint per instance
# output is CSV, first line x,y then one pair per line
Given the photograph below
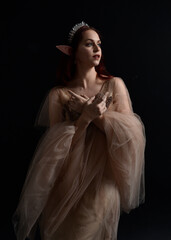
x,y
74,29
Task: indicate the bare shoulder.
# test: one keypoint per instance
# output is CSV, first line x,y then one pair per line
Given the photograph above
x,y
119,85
54,92
118,80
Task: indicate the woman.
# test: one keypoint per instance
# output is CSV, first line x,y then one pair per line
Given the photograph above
x,y
90,164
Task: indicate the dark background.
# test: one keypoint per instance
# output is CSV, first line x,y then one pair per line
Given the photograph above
x,y
137,47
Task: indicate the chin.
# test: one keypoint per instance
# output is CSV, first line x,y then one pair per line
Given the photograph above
x,y
96,63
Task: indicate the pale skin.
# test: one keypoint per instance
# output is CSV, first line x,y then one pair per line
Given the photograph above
x,y
85,85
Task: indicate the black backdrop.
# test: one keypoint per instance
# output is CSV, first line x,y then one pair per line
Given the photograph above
x,y
136,47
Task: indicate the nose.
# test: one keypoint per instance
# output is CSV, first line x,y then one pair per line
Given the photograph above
x,y
95,48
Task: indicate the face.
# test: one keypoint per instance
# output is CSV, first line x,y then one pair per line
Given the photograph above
x,y
89,51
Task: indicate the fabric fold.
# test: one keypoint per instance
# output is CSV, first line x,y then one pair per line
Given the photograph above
x,y
78,183
126,142
45,168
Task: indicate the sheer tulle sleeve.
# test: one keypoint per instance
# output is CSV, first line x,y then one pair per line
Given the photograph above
x,y
45,167
51,110
126,143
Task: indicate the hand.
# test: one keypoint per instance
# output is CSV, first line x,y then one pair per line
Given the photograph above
x,y
77,102
95,106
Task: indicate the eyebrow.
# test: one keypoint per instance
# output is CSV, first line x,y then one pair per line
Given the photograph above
x,y
92,40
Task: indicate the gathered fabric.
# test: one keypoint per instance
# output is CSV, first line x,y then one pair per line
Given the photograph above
x,y
76,191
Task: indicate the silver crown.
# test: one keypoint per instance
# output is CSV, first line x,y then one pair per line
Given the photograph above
x,y
74,29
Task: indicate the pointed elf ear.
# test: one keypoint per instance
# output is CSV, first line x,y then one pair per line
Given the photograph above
x,y
65,49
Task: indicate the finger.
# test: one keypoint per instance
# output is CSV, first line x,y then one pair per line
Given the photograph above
x,y
91,100
84,96
105,96
74,94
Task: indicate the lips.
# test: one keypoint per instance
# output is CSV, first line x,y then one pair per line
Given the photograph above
x,y
97,56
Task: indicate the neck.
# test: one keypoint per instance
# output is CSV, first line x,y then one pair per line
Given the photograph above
x,y
85,77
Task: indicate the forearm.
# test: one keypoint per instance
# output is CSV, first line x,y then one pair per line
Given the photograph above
x,y
99,122
81,124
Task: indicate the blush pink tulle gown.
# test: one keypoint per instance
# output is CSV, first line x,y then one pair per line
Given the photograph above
x,y
76,191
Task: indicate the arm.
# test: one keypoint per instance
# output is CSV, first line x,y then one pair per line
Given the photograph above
x,y
81,124
99,122
55,107
77,103
93,109
121,100
90,112
126,144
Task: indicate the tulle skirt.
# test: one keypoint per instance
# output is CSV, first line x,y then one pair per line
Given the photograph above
x,y
76,191
95,217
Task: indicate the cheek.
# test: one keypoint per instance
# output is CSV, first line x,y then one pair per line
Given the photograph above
x,y
82,54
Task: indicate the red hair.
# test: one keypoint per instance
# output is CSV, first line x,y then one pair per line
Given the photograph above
x,y
66,68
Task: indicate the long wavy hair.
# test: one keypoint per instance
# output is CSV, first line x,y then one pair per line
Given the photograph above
x,y
66,68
